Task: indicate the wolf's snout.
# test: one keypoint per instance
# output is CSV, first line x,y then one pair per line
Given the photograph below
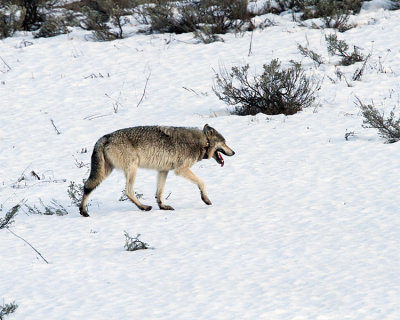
x,y
229,152
226,151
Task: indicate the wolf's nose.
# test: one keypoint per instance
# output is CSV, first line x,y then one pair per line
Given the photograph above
x,y
233,152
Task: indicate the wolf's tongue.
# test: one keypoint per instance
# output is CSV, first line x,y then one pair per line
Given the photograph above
x,y
222,159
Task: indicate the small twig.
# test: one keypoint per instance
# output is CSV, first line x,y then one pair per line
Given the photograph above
x,y
55,128
91,76
95,116
191,90
109,97
251,43
116,103
340,74
16,186
6,64
80,164
144,90
99,116
33,173
349,134
359,72
28,244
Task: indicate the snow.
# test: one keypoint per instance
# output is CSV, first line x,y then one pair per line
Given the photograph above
x,y
377,4
304,223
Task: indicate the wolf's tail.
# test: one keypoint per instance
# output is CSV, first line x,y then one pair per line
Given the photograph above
x,y
100,168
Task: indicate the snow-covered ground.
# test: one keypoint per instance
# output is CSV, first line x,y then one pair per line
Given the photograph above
x,y
304,223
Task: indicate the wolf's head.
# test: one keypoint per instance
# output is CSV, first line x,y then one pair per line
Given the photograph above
x,y
216,145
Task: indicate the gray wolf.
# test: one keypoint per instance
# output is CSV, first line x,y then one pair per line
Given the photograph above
x,y
160,148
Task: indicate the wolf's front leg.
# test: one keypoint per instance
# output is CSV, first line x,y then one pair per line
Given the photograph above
x,y
188,174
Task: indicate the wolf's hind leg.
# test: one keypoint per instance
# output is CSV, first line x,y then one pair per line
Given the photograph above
x,y
130,174
162,177
188,174
85,198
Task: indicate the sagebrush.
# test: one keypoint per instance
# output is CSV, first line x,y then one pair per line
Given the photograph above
x,y
75,192
307,52
206,19
106,18
9,216
340,48
388,126
53,26
275,91
334,13
133,243
7,309
54,208
10,21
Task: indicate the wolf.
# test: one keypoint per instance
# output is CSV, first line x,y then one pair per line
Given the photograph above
x,y
161,148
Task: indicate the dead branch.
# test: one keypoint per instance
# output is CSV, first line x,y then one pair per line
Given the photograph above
x,y
144,90
28,244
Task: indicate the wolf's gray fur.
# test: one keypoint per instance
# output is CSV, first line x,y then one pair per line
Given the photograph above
x,y
154,147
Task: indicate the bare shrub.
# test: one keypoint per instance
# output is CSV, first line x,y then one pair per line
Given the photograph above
x,y
279,6
53,26
305,51
93,20
225,15
75,192
335,14
206,35
10,21
275,91
168,17
99,15
34,12
7,309
54,208
29,15
395,5
340,48
9,216
360,71
124,197
205,18
133,243
388,126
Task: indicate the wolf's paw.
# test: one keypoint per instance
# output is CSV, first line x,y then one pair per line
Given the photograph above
x,y
83,213
165,207
145,208
205,199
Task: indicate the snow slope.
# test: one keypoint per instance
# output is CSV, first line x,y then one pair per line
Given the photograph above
x,y
304,223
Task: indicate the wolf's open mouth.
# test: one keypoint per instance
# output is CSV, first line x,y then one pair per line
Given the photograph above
x,y
219,159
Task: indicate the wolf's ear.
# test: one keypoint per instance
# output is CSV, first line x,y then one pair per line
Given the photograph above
x,y
208,131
